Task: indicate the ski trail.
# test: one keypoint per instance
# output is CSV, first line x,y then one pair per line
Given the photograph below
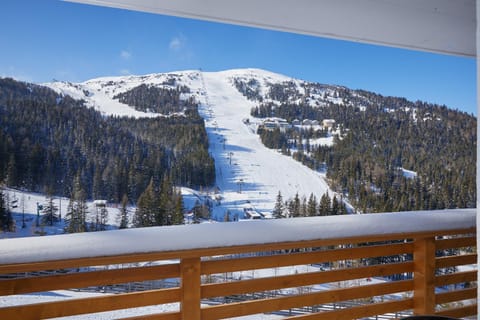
x,y
248,173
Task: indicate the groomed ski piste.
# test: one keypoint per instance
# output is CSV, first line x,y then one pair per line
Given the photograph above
x,y
248,173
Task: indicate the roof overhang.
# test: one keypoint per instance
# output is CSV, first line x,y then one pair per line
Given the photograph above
x,y
440,26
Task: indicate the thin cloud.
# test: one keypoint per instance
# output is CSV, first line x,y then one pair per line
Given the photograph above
x,y
125,72
177,43
180,49
125,55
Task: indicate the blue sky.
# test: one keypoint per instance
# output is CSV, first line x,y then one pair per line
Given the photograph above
x,y
50,39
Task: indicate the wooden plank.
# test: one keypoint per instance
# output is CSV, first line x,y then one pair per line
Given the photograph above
x,y
191,282
458,277
87,279
457,295
310,299
360,311
90,305
157,316
302,279
86,262
453,261
424,276
453,243
281,260
466,311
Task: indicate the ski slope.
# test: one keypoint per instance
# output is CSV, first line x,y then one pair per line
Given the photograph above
x,y
248,173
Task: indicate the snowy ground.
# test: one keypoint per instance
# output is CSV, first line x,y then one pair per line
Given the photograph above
x,y
65,294
25,214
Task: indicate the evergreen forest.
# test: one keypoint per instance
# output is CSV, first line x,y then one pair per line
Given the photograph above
x,y
376,138
51,143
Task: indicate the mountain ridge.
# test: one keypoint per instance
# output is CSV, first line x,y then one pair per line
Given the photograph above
x,y
382,153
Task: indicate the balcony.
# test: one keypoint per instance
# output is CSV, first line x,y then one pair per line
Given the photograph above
x,y
382,266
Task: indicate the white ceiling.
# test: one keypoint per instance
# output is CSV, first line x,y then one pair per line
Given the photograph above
x,y
440,26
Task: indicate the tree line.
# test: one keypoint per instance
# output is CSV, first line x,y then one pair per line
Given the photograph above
x,y
47,141
377,139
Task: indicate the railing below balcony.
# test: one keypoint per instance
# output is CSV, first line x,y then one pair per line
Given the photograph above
x,y
342,267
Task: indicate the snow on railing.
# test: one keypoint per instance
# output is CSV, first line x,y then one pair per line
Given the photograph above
x,y
211,235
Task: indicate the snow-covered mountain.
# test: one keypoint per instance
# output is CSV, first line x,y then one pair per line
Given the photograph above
x,y
248,173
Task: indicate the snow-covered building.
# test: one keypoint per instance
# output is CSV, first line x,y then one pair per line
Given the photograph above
x,y
100,203
274,123
328,123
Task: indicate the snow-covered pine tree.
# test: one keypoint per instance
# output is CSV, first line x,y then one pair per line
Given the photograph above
x,y
50,211
77,210
4,212
279,207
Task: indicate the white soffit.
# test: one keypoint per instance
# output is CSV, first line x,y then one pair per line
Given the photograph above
x,y
440,26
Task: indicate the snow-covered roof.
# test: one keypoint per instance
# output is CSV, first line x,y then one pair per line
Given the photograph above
x,y
187,237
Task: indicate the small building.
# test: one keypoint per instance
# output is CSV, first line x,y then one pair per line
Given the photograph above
x,y
269,125
100,203
283,125
252,214
328,123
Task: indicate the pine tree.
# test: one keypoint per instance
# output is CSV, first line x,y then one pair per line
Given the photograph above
x,y
296,206
165,213
335,206
312,206
278,210
146,214
4,212
324,207
303,207
75,219
124,213
177,213
50,210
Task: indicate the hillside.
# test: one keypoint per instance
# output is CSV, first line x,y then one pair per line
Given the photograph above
x,y
242,162
243,136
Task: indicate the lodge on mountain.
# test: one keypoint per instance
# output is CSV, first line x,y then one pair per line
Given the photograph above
x,y
273,123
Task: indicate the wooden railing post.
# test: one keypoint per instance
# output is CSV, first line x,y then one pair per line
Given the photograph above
x,y
424,276
190,289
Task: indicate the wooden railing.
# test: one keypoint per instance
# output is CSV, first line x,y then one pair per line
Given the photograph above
x,y
388,265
